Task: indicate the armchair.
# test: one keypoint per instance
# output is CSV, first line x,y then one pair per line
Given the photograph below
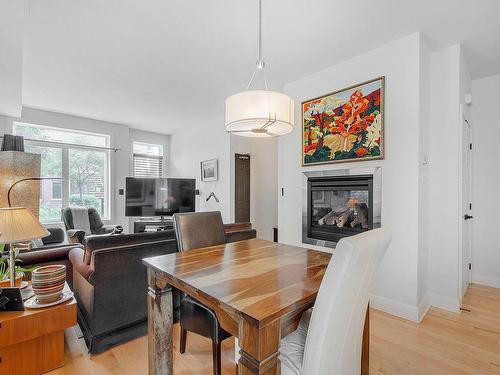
x,y
82,221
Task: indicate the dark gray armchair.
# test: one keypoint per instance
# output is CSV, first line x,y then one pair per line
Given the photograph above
x,y
97,227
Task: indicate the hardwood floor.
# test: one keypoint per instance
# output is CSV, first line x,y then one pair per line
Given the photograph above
x,y
444,343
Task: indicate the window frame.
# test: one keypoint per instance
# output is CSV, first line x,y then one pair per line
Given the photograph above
x,y
65,172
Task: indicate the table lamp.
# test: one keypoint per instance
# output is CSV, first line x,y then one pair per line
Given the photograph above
x,y
18,224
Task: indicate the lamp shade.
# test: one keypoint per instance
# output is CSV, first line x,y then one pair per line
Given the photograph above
x,y
259,113
18,224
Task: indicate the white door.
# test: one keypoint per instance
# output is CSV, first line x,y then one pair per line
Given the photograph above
x,y
466,203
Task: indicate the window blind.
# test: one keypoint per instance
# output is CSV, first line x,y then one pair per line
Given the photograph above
x,y
148,166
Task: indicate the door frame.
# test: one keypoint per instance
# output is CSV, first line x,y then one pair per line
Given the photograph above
x,y
464,121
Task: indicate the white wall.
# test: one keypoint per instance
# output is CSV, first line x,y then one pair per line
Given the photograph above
x,y
11,56
465,87
424,151
486,179
396,286
191,146
448,78
263,181
120,137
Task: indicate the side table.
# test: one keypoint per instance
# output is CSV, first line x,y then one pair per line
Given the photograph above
x,y
32,341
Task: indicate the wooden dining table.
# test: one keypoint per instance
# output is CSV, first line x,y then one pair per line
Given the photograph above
x,y
258,289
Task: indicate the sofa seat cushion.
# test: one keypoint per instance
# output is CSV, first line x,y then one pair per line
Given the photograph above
x,y
292,347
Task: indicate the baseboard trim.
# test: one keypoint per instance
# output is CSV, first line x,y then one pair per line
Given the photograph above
x,y
445,302
396,308
423,308
491,281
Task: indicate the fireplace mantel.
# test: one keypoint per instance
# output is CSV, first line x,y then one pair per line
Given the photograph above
x,y
318,235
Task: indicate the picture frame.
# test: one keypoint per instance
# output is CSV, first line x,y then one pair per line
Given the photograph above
x,y
209,170
344,126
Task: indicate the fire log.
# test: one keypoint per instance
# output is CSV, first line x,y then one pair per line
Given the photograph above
x,y
361,215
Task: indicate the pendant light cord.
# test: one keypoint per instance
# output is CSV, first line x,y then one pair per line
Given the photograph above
x,y
260,32
260,65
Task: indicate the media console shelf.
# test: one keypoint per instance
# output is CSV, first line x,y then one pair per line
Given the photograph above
x,y
153,225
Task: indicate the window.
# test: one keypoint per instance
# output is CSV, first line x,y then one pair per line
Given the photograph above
x,y
148,160
76,165
56,189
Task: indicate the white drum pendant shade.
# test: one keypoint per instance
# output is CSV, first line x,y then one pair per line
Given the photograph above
x,y
259,113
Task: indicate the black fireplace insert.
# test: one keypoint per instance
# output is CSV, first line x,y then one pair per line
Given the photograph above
x,y
339,206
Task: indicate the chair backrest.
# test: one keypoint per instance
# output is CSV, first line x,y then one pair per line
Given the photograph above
x,y
93,222
77,217
334,337
67,218
199,229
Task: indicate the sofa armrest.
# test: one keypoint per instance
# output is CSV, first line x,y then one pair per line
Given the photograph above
x,y
105,229
76,258
46,255
75,235
240,235
234,227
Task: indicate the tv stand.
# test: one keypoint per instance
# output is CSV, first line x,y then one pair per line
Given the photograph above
x,y
153,224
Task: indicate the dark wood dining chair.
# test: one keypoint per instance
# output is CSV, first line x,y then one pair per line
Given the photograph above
x,y
195,230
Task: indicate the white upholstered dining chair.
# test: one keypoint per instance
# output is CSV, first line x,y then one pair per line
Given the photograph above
x,y
329,337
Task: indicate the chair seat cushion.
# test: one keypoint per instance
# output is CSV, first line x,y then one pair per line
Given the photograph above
x,y
292,347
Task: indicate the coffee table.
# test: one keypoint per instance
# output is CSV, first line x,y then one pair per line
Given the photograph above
x,y
32,341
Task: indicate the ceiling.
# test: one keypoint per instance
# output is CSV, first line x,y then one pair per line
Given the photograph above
x,y
164,65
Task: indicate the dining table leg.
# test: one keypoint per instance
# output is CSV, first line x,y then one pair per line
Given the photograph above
x,y
259,348
160,321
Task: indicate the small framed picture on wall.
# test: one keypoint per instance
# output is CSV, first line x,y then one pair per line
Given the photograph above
x,y
210,170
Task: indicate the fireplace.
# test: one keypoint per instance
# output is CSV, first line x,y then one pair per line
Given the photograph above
x,y
340,204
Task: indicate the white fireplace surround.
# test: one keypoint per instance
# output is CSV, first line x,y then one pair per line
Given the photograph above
x,y
377,197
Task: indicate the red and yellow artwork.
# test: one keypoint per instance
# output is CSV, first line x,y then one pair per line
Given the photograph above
x,y
344,126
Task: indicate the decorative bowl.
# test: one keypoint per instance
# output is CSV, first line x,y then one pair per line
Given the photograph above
x,y
48,282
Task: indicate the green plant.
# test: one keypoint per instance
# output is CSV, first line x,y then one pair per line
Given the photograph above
x,y
5,269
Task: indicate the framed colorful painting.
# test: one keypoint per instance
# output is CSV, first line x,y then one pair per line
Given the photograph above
x,y
344,126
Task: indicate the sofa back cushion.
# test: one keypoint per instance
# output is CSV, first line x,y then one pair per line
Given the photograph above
x,y
93,243
56,235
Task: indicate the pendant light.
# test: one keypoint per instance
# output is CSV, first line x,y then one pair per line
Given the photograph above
x,y
259,112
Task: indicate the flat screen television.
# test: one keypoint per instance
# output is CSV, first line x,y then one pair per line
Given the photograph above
x,y
159,196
